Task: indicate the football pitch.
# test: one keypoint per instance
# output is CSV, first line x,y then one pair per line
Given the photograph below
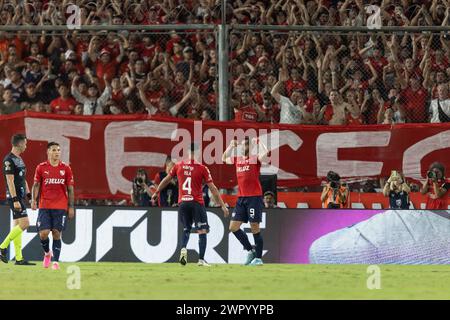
x,y
269,282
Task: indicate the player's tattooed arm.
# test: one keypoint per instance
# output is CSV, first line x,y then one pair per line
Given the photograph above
x,y
34,194
71,211
71,194
218,198
164,183
226,157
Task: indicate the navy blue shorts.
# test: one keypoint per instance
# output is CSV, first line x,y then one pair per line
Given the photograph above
x,y
192,212
49,219
22,213
248,209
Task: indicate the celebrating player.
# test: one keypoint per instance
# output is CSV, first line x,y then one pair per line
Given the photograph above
x,y
53,183
14,170
250,203
191,175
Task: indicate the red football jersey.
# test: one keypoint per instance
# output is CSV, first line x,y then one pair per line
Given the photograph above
x,y
245,114
63,106
191,176
54,182
247,172
442,202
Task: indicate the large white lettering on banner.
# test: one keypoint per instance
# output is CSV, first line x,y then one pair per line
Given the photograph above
x,y
117,158
58,131
328,145
414,154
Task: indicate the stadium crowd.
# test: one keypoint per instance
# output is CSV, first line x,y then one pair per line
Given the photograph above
x,y
276,77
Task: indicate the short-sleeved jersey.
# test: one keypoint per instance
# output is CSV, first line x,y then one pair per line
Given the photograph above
x,y
442,202
14,165
191,176
247,172
54,181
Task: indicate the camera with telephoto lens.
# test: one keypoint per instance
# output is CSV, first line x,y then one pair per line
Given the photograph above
x,y
392,100
138,182
334,179
431,175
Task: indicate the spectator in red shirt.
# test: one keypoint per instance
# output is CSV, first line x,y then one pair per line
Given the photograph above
x,y
437,187
104,64
270,108
65,104
353,109
132,57
246,110
296,81
149,48
414,101
378,61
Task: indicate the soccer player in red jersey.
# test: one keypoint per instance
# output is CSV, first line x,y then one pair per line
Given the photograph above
x,y
250,203
437,187
191,176
53,184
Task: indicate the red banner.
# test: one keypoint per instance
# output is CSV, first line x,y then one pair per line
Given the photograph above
x,y
105,151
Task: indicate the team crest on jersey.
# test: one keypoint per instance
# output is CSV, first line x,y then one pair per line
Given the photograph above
x,y
7,165
62,172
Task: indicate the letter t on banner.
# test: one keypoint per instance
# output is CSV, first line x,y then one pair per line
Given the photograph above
x,y
58,131
117,158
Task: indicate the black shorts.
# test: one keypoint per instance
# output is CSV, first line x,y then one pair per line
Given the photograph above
x,y
51,219
248,209
18,214
192,212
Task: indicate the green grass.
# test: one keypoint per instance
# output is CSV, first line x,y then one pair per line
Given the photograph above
x,y
271,281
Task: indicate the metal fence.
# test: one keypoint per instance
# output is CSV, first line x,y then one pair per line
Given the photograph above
x,y
339,77
160,72
276,74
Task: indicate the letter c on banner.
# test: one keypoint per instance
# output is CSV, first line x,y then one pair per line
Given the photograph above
x,y
414,154
328,145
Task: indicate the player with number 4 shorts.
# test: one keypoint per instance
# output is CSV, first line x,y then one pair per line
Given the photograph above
x,y
249,205
191,176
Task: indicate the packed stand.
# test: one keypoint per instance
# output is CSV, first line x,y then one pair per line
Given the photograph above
x,y
277,77
84,73
340,78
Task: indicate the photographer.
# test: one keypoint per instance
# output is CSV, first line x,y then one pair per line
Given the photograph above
x,y
141,193
335,194
436,187
397,190
269,200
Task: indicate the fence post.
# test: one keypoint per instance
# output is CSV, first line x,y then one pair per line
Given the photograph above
x,y
223,72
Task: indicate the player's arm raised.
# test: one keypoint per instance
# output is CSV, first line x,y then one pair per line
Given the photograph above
x,y
262,151
226,157
218,198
